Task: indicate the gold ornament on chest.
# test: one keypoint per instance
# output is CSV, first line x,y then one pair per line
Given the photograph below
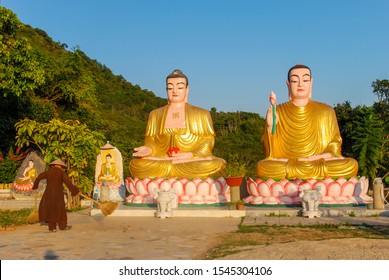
x,y
176,115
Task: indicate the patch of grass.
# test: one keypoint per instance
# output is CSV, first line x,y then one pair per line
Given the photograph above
x,y
352,214
373,215
272,214
10,218
254,235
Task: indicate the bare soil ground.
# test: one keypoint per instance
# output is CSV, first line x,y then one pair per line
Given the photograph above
x,y
304,243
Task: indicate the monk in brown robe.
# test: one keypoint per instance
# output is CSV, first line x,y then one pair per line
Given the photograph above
x,y
302,138
52,206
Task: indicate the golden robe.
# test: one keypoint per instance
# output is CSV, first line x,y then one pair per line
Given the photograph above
x,y
197,137
302,132
31,174
111,172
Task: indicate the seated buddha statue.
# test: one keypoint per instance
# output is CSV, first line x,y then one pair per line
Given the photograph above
x,y
301,137
25,183
109,171
179,138
29,174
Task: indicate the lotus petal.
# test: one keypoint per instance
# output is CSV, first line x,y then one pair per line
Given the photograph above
x,y
257,200
327,199
291,189
130,186
264,189
348,189
138,199
328,180
270,200
341,181
270,182
322,186
178,188
165,185
277,190
252,188
203,188
342,200
141,188
210,199
220,185
286,200
283,182
152,188
311,181
190,188
197,199
334,189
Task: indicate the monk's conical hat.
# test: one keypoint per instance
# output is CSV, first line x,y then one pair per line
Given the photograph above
x,y
58,162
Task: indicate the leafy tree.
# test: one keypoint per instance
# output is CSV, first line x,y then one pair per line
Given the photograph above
x,y
381,108
381,89
20,74
10,163
368,137
239,133
68,83
346,115
71,141
20,70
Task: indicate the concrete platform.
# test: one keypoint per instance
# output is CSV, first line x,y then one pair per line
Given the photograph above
x,y
250,211
148,211
133,210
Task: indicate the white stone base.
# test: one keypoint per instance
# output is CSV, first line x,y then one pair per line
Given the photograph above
x,y
163,215
311,214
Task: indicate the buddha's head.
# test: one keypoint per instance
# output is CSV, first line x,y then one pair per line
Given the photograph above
x,y
300,83
177,87
108,158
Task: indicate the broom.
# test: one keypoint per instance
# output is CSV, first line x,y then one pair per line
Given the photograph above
x,y
34,215
106,208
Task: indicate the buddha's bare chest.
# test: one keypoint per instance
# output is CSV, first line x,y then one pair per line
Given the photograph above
x,y
175,118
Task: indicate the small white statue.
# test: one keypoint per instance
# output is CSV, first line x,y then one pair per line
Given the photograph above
x,y
166,201
310,201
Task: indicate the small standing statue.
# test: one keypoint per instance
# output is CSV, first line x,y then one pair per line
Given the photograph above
x,y
166,200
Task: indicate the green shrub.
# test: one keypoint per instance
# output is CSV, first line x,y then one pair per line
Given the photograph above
x,y
8,169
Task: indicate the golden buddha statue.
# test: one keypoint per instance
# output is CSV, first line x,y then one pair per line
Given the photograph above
x,y
179,138
301,137
29,174
109,171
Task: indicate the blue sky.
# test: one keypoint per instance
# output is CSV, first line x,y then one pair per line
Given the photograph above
x,y
233,51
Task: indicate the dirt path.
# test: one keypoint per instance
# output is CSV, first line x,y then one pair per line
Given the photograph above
x,y
332,249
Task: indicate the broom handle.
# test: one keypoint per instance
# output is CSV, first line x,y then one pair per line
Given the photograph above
x,y
87,197
36,198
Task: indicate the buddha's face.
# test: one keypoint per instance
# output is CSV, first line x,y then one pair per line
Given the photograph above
x,y
177,90
300,84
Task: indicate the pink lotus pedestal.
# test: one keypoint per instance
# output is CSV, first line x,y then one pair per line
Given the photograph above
x,y
269,192
339,191
189,191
